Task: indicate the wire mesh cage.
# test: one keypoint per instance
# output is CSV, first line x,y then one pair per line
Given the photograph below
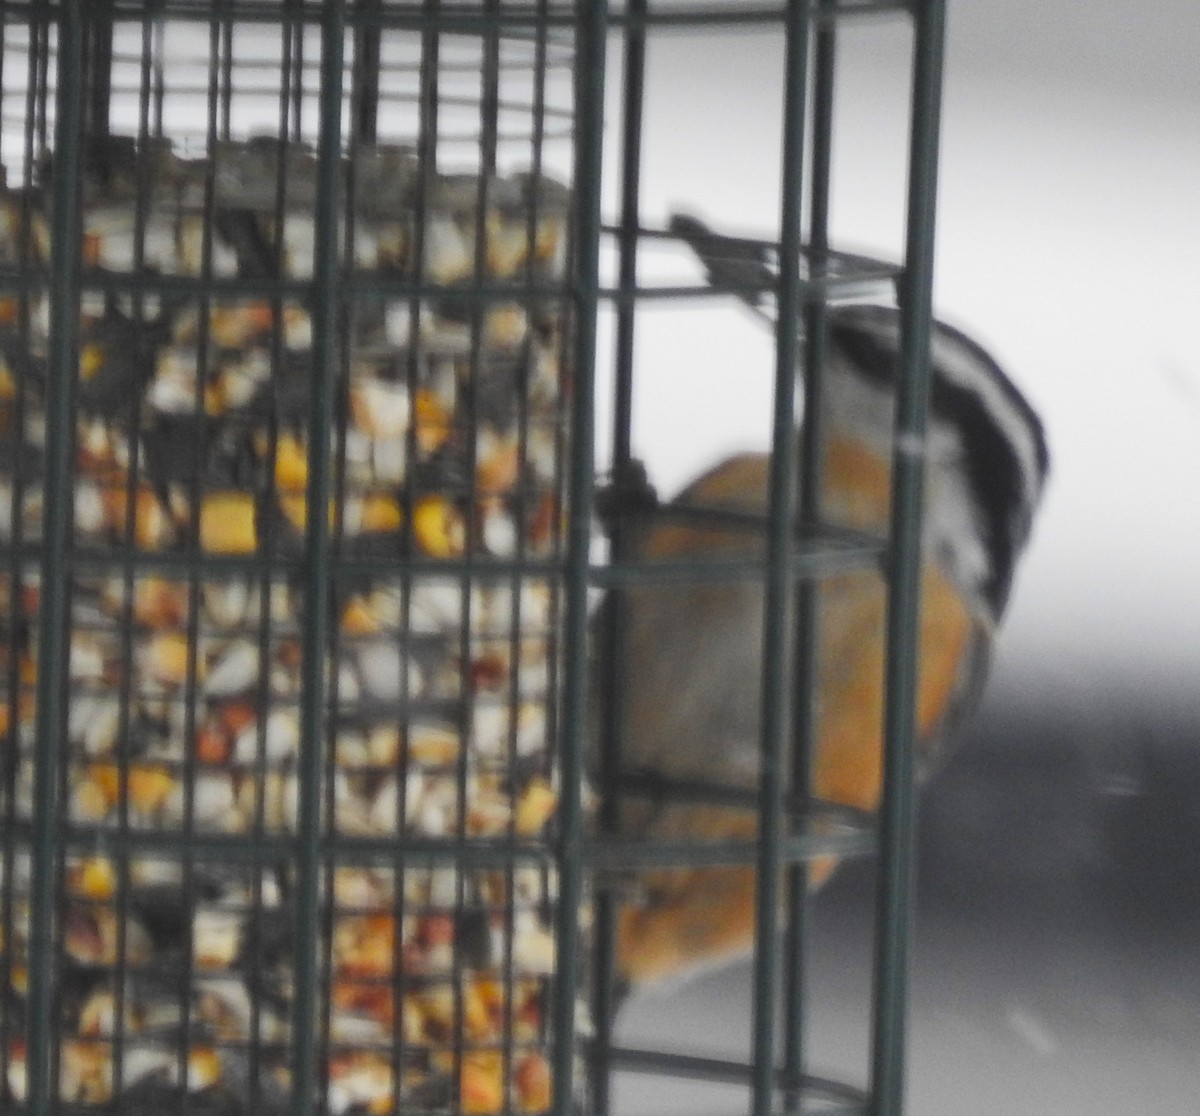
x,y
278,781
298,328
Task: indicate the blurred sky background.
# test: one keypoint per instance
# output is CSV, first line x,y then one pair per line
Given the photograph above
x,y
1057,966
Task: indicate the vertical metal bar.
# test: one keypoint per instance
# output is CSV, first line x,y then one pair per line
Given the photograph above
x,y
591,32
427,135
812,449
897,819
367,56
98,63
489,105
56,565
778,597
317,564
610,699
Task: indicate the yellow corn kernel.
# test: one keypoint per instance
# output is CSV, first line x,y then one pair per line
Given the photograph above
x,y
481,1083
499,466
506,326
151,525
531,1076
357,619
106,778
227,523
95,878
215,398
291,464
433,421
158,603
432,745
535,807
166,658
296,509
478,1021
91,360
381,513
149,787
204,1067
438,527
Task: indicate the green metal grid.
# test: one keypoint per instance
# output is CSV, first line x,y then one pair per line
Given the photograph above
x,y
805,29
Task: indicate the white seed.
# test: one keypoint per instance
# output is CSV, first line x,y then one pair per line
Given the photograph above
x,y
352,515
89,509
358,452
389,460
349,690
435,606
213,801
245,377
87,659
533,945
541,452
100,731
398,324
500,533
351,811
226,602
224,1004
446,254
436,810
507,246
142,1060
531,729
235,672
297,329
173,389
352,749
490,721
383,745
300,238
366,246
500,610
385,809
544,380
386,604
386,672
382,408
507,326
216,938
98,1016
443,886
281,739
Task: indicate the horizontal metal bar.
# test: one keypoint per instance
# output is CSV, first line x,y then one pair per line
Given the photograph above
x,y
847,1099
652,785
820,556
706,568
845,838
265,849
612,854
217,288
413,16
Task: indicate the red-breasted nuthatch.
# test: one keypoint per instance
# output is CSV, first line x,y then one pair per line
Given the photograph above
x,y
691,672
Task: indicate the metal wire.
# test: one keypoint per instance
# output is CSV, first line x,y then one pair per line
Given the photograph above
x,y
489,78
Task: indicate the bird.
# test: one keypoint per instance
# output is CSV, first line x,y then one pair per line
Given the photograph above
x,y
690,673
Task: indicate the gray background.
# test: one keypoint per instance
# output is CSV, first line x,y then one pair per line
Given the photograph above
x,y
1057,966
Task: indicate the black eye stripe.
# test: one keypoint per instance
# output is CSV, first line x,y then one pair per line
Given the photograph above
x,y
868,336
